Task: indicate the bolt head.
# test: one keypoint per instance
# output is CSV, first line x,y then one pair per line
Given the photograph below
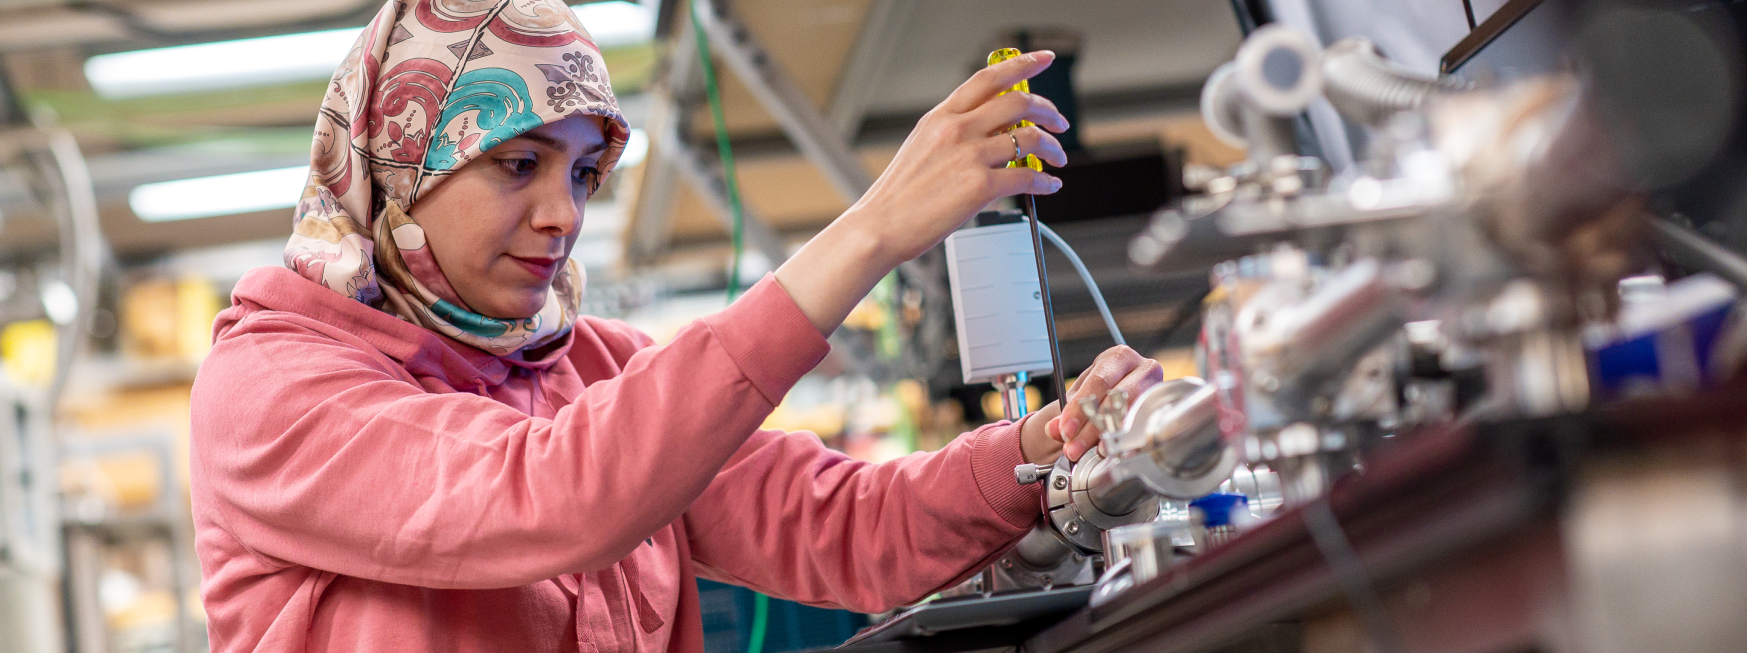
x,y
1267,382
1061,483
1073,527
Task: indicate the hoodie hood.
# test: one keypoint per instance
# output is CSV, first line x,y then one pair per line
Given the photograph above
x,y
279,293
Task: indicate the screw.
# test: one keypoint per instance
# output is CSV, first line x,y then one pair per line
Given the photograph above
x,y
1006,564
1073,528
1267,382
1061,483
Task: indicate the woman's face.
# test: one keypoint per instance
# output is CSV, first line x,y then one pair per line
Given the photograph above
x,y
502,226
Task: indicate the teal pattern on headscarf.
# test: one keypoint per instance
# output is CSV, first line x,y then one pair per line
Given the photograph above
x,y
474,323
503,107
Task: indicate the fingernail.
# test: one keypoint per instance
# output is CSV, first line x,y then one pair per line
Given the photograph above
x,y
1055,184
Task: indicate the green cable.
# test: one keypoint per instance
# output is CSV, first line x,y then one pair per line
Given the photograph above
x,y
760,602
727,155
760,622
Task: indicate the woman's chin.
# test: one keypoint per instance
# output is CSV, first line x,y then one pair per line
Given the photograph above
x,y
525,304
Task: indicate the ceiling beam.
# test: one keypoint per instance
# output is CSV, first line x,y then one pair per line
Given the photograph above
x,y
814,135
857,84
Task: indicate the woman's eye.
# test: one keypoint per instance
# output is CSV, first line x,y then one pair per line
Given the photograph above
x,y
517,166
584,175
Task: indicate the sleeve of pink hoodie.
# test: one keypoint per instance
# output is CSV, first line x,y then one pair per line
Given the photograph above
x,y
326,454
793,519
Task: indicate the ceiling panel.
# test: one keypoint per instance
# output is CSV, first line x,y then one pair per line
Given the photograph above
x,y
1127,45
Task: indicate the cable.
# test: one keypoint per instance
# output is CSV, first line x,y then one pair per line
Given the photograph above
x,y
1189,312
760,602
760,623
1325,530
1086,276
726,153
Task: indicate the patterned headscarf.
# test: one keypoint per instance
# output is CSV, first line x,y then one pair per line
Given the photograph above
x,y
429,86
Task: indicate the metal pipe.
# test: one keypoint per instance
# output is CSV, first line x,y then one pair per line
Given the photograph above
x,y
82,243
1113,494
1173,444
1364,86
1694,252
1013,400
1313,343
1042,549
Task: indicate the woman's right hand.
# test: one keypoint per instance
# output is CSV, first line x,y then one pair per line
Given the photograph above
x,y
955,161
952,165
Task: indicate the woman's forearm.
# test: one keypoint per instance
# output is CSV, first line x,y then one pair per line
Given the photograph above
x,y
791,518
834,270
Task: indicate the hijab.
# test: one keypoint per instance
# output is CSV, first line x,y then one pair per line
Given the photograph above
x,y
429,86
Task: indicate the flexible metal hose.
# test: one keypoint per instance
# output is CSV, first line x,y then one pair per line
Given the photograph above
x,y
1364,86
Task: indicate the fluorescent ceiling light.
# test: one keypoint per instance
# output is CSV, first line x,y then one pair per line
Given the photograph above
x,y
617,23
203,197
299,57
225,64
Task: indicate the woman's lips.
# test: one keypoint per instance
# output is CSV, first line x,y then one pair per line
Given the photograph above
x,y
541,267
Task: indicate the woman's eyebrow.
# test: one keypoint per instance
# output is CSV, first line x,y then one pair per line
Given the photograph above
x,y
545,140
559,145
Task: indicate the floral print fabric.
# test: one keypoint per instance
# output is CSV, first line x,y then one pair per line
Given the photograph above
x,y
428,87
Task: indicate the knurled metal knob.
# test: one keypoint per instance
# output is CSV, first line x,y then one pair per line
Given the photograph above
x,y
1028,473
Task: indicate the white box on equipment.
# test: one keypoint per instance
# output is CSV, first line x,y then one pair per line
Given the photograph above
x,y
997,302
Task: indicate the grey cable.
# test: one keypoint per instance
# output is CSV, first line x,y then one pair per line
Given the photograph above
x,y
1085,275
1343,562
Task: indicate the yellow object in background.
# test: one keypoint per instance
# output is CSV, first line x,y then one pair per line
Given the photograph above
x,y
867,315
992,403
197,305
28,349
1024,86
1177,363
121,482
164,319
148,320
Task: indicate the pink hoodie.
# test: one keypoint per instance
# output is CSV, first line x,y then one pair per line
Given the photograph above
x,y
361,483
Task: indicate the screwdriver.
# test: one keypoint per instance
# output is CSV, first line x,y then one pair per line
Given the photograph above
x,y
1031,161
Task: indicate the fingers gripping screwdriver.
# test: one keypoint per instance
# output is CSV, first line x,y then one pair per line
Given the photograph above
x,y
1031,161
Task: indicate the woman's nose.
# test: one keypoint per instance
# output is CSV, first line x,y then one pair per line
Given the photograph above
x,y
557,212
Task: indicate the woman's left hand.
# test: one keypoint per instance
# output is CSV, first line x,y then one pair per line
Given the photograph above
x,y
1049,433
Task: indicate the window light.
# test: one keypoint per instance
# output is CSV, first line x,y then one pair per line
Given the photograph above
x,y
636,149
617,23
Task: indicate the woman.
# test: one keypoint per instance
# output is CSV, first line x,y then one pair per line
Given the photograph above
x,y
408,439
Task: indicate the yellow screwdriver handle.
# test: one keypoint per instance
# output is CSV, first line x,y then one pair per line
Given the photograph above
x,y
998,56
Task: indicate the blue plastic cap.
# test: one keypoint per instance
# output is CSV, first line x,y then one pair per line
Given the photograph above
x,y
1217,508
